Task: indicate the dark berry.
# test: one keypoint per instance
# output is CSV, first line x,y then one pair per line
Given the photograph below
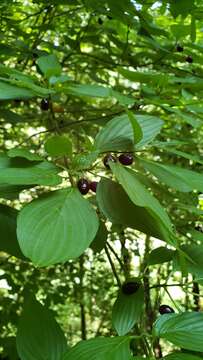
x,y
93,186
109,17
179,48
130,287
165,309
83,186
108,158
126,159
189,59
44,104
100,21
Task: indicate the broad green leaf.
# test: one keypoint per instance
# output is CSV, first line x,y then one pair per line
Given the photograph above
x,y
194,262
94,90
20,171
140,196
100,239
8,91
39,336
31,175
182,356
49,65
101,348
154,78
24,153
84,161
137,130
56,227
160,255
110,195
127,311
58,145
184,330
8,239
118,134
181,179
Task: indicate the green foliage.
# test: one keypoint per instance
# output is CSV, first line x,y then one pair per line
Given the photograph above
x,y
127,311
38,335
60,220
183,330
116,77
101,348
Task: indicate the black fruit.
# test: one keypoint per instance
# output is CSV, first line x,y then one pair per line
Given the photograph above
x,y
130,287
189,59
108,158
100,21
109,17
83,186
126,159
179,48
165,309
45,104
93,186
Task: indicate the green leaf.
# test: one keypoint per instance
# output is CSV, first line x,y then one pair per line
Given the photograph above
x,y
118,134
84,161
49,65
181,356
24,153
94,90
56,227
140,196
58,145
181,7
195,253
110,195
8,91
183,180
127,311
194,158
150,77
184,330
100,239
31,175
160,255
38,334
101,348
137,130
8,224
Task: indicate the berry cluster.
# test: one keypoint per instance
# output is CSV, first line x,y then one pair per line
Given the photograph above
x,y
124,159
84,186
188,58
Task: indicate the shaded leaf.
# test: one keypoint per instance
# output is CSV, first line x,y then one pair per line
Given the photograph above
x,y
8,224
58,145
101,348
39,336
183,330
140,196
127,311
56,227
118,134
